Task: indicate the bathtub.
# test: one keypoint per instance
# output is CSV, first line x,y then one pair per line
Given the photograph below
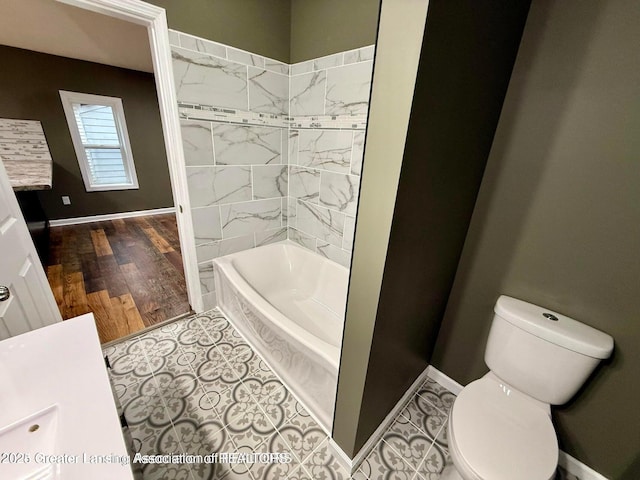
x,y
289,303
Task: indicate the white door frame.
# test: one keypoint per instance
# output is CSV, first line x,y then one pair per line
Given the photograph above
x,y
155,20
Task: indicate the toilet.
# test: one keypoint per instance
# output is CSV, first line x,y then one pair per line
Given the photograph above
x,y
500,426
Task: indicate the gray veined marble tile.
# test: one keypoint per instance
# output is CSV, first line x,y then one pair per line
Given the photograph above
x,y
304,183
302,239
320,222
336,254
349,232
306,94
196,142
325,149
301,67
292,145
217,185
339,192
211,250
292,208
270,236
329,61
203,79
269,181
205,271
203,46
276,66
206,224
348,89
249,217
246,145
209,300
284,146
359,55
284,205
268,91
357,153
245,58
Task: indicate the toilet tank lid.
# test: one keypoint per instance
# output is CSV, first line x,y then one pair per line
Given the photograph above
x,y
555,327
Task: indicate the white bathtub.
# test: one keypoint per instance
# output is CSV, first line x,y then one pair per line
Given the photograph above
x,y
290,305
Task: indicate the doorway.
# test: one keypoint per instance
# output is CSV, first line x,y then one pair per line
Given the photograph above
x,y
128,271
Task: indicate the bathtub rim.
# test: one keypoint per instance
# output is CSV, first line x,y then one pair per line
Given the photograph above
x,y
328,354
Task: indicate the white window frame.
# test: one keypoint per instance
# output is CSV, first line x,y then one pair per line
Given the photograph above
x,y
68,99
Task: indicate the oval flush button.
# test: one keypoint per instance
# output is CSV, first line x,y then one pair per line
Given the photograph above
x,y
550,316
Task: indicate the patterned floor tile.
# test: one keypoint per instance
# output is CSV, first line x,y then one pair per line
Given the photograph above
x,y
383,463
359,475
437,395
130,364
303,435
433,463
191,332
244,416
268,470
323,464
261,389
408,442
281,406
166,472
424,415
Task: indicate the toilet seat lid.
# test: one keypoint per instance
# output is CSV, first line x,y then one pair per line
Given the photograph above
x,y
502,434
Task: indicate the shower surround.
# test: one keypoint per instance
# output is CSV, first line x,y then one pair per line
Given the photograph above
x,y
273,151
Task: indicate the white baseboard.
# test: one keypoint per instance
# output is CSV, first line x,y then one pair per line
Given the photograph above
x,y
375,437
447,382
566,461
577,468
110,216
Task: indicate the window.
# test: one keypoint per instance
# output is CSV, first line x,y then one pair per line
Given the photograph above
x,y
99,133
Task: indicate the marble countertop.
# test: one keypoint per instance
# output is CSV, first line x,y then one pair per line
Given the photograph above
x,y
25,154
29,174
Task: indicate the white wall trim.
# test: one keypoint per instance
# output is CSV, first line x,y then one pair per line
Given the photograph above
x,y
566,461
110,216
155,20
352,465
444,380
577,468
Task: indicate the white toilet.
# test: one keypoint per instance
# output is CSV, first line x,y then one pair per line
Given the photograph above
x,y
500,426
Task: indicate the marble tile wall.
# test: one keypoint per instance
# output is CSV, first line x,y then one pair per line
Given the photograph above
x,y
325,159
273,151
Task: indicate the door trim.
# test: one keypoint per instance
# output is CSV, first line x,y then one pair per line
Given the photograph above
x,y
155,20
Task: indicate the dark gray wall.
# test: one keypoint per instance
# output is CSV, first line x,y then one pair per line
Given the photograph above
x,y
461,83
29,89
323,27
557,221
258,26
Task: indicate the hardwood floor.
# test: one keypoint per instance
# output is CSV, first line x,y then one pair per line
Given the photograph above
x,y
128,272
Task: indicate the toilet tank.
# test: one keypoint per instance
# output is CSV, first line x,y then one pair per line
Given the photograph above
x,y
542,353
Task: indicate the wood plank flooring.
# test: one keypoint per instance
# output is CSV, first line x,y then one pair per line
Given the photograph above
x,y
128,272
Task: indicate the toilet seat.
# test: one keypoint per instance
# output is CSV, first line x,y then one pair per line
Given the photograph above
x,y
499,433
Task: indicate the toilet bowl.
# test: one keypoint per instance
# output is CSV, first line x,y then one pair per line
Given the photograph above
x,y
498,433
500,427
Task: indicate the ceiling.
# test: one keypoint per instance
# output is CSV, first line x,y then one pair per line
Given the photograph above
x,y
50,27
